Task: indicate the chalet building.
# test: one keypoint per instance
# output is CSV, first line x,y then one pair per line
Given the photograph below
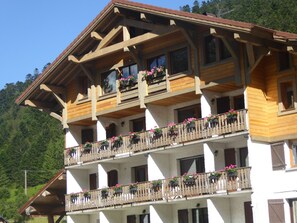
x,y
173,117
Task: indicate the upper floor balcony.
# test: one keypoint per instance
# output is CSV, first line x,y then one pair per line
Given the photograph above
x,y
172,189
174,134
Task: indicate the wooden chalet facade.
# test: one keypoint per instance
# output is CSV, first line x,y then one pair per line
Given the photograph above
x,y
147,93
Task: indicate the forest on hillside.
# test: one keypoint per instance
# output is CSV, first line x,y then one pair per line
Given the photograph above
x,y
32,140
29,140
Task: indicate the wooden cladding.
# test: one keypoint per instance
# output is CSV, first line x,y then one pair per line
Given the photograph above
x,y
266,122
165,191
218,71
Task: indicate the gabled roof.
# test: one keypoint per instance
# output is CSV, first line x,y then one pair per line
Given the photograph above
x,y
283,37
50,198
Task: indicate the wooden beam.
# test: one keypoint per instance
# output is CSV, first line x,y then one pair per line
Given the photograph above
x,y
250,54
116,10
126,36
47,88
141,24
131,42
256,41
73,59
292,49
43,107
143,17
53,88
87,73
172,22
97,36
259,53
109,37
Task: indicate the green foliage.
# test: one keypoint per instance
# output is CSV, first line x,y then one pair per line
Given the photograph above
x,y
29,140
274,14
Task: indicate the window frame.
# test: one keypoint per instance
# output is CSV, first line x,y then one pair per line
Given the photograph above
x,y
293,156
129,67
188,60
281,110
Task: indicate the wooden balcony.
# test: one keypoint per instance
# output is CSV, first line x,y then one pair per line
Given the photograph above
x,y
200,186
147,141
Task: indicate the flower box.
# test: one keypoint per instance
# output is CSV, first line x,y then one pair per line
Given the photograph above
x,y
156,185
104,193
133,188
189,180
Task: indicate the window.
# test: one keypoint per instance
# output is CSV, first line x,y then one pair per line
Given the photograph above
x,y
192,165
144,218
278,156
188,112
93,181
129,70
210,49
243,157
111,130
293,210
284,61
140,173
87,135
108,82
200,215
156,62
179,60
238,102
138,125
293,154
131,219
84,86
214,50
287,94
223,105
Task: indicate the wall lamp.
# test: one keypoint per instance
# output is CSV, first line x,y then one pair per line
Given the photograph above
x,y
216,153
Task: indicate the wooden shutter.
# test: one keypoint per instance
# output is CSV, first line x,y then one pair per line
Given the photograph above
x,y
278,156
276,211
131,219
248,212
183,216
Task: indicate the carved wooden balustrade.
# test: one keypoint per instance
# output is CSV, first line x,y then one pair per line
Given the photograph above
x,y
200,185
202,129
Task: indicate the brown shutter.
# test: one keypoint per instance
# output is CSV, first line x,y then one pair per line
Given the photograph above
x,y
276,211
87,135
229,155
248,212
93,181
278,156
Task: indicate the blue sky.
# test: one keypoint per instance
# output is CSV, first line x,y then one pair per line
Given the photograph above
x,y
35,32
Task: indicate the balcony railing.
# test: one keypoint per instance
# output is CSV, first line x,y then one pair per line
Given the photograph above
x,y
200,185
202,129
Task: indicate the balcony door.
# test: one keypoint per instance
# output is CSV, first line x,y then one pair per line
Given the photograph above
x,y
193,111
140,173
111,131
229,156
223,105
192,165
87,135
112,178
93,181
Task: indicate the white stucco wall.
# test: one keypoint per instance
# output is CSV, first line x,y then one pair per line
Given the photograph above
x,y
161,213
158,166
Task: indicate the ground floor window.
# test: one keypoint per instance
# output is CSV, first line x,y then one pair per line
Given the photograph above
x,y
200,215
